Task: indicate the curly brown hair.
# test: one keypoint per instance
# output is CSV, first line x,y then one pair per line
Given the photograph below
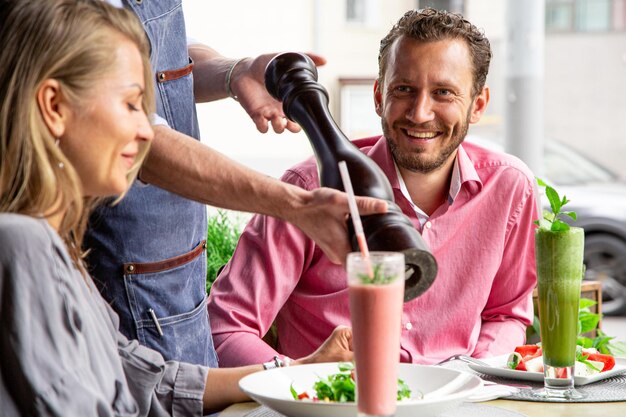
x,y
430,25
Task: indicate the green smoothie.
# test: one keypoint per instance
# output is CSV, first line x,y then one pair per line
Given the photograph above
x,y
559,273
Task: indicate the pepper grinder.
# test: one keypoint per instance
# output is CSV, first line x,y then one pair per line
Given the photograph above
x,y
292,79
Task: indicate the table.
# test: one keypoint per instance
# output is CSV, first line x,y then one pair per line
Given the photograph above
x,y
537,409
531,409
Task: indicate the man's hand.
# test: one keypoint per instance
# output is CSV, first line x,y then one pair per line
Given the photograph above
x,y
323,218
248,84
337,348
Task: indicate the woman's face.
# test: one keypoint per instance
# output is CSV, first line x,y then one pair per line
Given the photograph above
x,y
103,132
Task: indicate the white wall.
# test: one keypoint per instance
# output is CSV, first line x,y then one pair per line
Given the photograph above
x,y
240,28
585,77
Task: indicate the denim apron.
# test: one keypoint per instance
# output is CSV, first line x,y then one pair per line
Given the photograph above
x,y
148,252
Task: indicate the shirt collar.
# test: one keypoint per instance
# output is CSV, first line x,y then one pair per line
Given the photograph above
x,y
463,174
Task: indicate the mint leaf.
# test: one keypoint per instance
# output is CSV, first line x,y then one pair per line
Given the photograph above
x,y
585,342
571,214
553,198
581,357
618,349
378,276
559,226
588,321
602,343
586,303
550,220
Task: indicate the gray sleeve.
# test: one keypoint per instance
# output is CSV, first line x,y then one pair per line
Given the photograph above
x,y
162,388
38,366
61,353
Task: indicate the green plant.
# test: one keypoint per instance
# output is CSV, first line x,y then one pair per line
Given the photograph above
x,y
222,237
588,322
551,220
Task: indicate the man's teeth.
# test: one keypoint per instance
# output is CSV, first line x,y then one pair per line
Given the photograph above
x,y
421,135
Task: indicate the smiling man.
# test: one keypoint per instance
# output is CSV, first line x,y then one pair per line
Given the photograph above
x,y
474,208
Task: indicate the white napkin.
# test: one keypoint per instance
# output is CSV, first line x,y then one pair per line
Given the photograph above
x,y
491,392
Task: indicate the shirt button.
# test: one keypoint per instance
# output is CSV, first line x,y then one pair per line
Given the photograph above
x,y
428,225
408,326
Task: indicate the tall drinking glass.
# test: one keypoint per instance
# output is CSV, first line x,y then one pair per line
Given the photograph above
x,y
559,257
376,313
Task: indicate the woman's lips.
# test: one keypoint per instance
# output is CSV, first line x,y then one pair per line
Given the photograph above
x,y
129,158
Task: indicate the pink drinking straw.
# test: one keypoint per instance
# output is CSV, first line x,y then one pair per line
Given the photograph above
x,y
356,219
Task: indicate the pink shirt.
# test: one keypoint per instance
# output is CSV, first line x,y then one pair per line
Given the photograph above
x,y
479,304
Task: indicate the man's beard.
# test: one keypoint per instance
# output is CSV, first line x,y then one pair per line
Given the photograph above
x,y
415,161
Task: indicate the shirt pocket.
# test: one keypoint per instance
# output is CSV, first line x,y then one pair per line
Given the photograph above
x,y
169,310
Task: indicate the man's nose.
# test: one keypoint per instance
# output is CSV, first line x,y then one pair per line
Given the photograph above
x,y
421,109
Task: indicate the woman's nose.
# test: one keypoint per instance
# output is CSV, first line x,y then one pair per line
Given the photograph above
x,y
144,130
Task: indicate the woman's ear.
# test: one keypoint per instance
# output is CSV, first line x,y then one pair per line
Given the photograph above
x,y
52,106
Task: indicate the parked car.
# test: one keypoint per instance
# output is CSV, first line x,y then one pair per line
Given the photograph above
x,y
598,196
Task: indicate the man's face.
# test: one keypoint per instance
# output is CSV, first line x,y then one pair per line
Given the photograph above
x,y
425,101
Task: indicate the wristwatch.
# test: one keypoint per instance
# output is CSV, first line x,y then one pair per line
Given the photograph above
x,y
277,362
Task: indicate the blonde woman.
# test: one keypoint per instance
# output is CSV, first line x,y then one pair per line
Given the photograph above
x,y
74,93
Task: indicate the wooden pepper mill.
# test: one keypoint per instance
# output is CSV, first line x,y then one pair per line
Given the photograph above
x,y
292,79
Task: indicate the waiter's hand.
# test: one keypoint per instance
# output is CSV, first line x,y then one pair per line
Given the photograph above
x,y
248,84
322,215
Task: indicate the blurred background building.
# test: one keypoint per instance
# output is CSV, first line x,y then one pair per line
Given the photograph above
x,y
584,80
558,75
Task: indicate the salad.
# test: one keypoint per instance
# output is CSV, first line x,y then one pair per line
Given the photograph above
x,y
588,360
340,387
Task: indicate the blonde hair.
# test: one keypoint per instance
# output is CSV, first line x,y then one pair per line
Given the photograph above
x,y
73,42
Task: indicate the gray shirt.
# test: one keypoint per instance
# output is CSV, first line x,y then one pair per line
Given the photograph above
x,y
61,353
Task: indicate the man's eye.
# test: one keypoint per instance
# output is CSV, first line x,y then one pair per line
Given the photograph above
x,y
403,89
443,92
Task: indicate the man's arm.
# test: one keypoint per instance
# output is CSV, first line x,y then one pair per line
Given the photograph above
x,y
509,309
271,260
247,83
265,268
184,166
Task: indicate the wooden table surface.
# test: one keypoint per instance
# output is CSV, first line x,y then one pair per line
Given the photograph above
x,y
530,409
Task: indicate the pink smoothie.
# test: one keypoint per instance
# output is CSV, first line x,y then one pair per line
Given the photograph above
x,y
376,312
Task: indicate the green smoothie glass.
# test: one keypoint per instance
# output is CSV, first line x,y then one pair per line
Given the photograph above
x,y
559,260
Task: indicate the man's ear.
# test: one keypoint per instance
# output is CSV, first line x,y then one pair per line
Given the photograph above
x,y
52,107
378,98
479,105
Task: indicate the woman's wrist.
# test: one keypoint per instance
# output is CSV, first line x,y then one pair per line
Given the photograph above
x,y
278,362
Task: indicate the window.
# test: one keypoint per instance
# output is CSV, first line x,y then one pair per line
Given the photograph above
x,y
355,11
585,15
361,12
454,6
357,115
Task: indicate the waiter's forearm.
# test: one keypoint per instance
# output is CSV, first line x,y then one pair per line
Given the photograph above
x,y
209,73
182,165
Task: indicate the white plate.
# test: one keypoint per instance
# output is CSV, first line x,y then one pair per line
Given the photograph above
x,y
497,367
443,390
